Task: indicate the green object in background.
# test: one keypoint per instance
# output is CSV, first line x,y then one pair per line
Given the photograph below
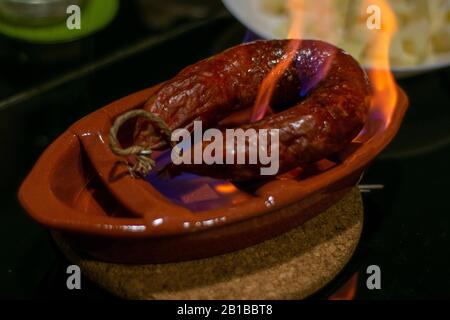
x,y
95,14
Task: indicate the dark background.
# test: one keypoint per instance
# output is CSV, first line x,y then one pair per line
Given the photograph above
x,y
406,229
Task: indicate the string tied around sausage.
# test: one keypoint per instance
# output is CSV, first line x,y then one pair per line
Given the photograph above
x,y
144,163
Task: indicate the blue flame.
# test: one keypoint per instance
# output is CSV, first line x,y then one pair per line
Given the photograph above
x,y
191,191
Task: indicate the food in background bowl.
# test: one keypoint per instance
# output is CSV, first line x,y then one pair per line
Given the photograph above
x,y
422,37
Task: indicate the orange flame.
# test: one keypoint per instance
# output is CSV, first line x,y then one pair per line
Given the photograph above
x,y
383,82
262,103
296,13
384,86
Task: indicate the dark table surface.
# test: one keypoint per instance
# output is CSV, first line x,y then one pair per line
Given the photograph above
x,y
406,230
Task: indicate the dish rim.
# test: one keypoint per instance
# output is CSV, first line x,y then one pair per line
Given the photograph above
x,y
38,199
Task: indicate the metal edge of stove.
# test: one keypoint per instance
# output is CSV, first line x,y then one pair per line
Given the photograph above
x,y
119,55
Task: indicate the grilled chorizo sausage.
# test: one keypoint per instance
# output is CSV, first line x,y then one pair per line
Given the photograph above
x,y
324,94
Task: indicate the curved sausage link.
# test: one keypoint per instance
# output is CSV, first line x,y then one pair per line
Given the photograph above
x,y
329,91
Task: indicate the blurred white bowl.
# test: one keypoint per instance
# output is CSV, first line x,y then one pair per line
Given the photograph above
x,y
251,15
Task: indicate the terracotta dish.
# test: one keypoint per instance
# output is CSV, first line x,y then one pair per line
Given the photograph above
x,y
79,188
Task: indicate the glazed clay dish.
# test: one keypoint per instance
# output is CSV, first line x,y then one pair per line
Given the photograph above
x,y
80,188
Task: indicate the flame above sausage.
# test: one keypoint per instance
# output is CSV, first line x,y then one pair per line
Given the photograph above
x,y
382,80
385,93
262,102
